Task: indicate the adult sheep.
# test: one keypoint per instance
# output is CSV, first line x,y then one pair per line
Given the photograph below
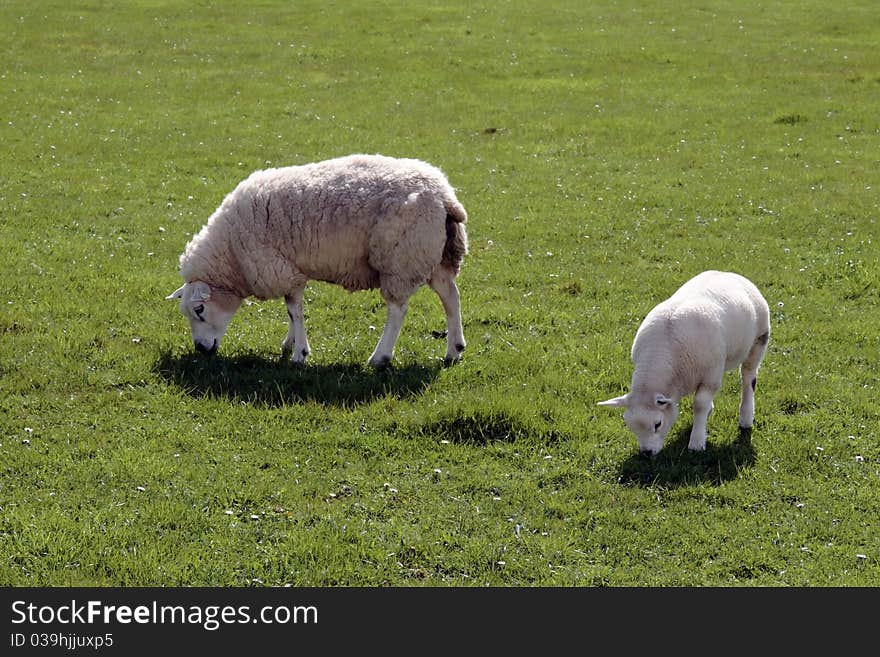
x,y
360,221
711,324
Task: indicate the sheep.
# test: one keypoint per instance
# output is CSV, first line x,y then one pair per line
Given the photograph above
x,y
711,324
359,221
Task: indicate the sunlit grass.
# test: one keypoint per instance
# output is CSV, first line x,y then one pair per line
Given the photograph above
x,y
605,153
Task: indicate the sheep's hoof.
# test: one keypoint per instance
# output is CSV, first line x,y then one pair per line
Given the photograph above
x,y
380,363
449,361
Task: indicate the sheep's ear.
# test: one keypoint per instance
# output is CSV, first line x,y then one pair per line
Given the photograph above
x,y
177,294
623,400
662,400
201,291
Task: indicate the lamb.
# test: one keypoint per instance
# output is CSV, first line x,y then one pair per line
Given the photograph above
x,y
711,324
359,221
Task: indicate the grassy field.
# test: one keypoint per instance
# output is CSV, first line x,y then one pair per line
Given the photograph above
x,y
605,152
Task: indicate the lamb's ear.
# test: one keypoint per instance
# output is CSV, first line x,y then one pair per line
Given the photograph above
x,y
623,400
662,400
177,294
201,291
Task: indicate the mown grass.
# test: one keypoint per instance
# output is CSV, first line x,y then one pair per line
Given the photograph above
x,y
605,153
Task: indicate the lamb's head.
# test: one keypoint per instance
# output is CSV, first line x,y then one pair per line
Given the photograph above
x,y
649,416
208,311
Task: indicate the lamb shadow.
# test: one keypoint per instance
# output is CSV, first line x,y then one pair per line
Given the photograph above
x,y
676,466
255,380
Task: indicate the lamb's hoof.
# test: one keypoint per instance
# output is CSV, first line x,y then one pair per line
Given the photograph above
x,y
299,357
453,358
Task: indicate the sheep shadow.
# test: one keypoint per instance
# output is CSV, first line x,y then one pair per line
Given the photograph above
x,y
274,383
480,428
676,466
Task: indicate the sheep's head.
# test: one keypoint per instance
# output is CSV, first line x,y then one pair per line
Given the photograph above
x,y
649,416
208,311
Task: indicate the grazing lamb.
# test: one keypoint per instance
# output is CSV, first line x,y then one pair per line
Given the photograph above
x,y
361,221
713,323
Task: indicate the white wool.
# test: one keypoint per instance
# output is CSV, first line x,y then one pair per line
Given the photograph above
x,y
343,221
713,323
360,221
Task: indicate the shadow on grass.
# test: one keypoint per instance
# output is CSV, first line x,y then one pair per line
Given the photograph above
x,y
276,383
482,428
677,466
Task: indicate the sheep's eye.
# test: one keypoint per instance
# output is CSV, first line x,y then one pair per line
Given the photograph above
x,y
657,425
198,310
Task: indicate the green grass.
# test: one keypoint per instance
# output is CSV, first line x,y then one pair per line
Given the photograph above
x,y
605,152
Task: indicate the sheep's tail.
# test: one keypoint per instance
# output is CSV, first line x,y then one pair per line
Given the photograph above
x,y
456,237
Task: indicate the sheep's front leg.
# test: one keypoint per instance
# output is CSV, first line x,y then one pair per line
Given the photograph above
x,y
384,351
703,406
443,283
296,340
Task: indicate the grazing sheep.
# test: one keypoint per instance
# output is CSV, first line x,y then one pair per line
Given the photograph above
x,y
713,323
361,221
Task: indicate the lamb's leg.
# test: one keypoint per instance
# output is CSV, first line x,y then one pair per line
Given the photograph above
x,y
384,351
703,406
296,340
749,371
443,283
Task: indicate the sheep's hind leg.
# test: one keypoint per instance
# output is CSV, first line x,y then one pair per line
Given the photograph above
x,y
749,372
296,340
384,351
443,283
